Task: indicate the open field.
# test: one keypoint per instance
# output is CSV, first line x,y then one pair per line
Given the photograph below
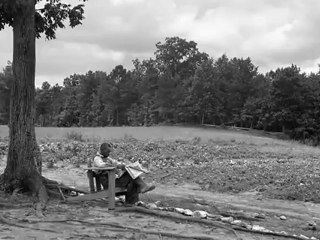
x,y
216,159
211,169
158,132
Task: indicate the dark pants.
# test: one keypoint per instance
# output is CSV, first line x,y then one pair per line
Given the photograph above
x,y
125,181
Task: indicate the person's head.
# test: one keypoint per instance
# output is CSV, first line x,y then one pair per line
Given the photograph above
x,y
105,149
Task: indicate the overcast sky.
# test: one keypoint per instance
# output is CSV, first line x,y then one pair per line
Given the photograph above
x,y
272,33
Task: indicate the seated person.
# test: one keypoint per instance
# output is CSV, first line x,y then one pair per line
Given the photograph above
x,y
134,185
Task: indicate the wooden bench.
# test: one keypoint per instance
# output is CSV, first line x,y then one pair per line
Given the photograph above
x,y
96,192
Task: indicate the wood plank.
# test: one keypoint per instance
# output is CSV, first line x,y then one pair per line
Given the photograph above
x,y
100,168
111,189
91,183
98,183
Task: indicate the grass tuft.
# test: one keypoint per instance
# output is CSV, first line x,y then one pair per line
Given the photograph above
x,y
75,136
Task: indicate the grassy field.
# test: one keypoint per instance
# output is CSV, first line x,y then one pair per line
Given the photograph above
x,y
152,133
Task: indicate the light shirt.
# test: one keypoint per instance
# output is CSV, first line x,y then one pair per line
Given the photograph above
x,y
100,161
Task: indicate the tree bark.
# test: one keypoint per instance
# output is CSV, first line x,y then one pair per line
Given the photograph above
x,y
23,168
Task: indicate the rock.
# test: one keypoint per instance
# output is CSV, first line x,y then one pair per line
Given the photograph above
x,y
188,212
249,227
227,219
179,210
282,217
140,204
152,206
184,211
200,214
283,232
236,222
312,225
258,228
213,216
303,236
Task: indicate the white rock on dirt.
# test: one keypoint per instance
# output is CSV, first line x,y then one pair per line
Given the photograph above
x,y
303,237
188,212
200,214
226,219
152,206
283,217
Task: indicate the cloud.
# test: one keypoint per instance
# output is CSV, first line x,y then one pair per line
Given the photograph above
x,y
272,33
6,47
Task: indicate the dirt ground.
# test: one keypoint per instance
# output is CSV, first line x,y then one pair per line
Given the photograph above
x,y
93,220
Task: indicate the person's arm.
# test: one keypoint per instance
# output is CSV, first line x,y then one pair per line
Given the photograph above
x,y
116,163
98,162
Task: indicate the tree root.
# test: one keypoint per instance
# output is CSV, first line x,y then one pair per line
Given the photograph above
x,y
290,236
120,227
180,218
60,190
231,228
15,206
10,223
40,187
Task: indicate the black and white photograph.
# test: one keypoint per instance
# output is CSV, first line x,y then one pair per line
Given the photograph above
x,y
149,119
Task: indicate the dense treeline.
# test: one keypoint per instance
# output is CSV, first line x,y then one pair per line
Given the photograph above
x,y
181,85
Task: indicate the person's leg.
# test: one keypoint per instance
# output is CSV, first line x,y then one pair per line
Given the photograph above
x,y
143,187
124,180
139,185
104,180
133,186
132,193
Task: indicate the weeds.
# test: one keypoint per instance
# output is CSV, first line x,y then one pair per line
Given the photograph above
x,y
75,136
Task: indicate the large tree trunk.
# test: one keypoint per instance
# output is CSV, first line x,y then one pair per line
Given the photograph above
x,y
23,168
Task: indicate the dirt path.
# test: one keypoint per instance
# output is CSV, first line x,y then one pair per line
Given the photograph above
x,y
94,221
190,196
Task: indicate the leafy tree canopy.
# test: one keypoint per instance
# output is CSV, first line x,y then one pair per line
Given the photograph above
x,y
48,18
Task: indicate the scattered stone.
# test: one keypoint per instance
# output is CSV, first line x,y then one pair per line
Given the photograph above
x,y
304,237
200,214
258,228
236,222
227,219
152,206
188,212
312,225
282,217
179,210
283,232
249,227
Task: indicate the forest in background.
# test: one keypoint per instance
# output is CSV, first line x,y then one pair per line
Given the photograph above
x,y
180,84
